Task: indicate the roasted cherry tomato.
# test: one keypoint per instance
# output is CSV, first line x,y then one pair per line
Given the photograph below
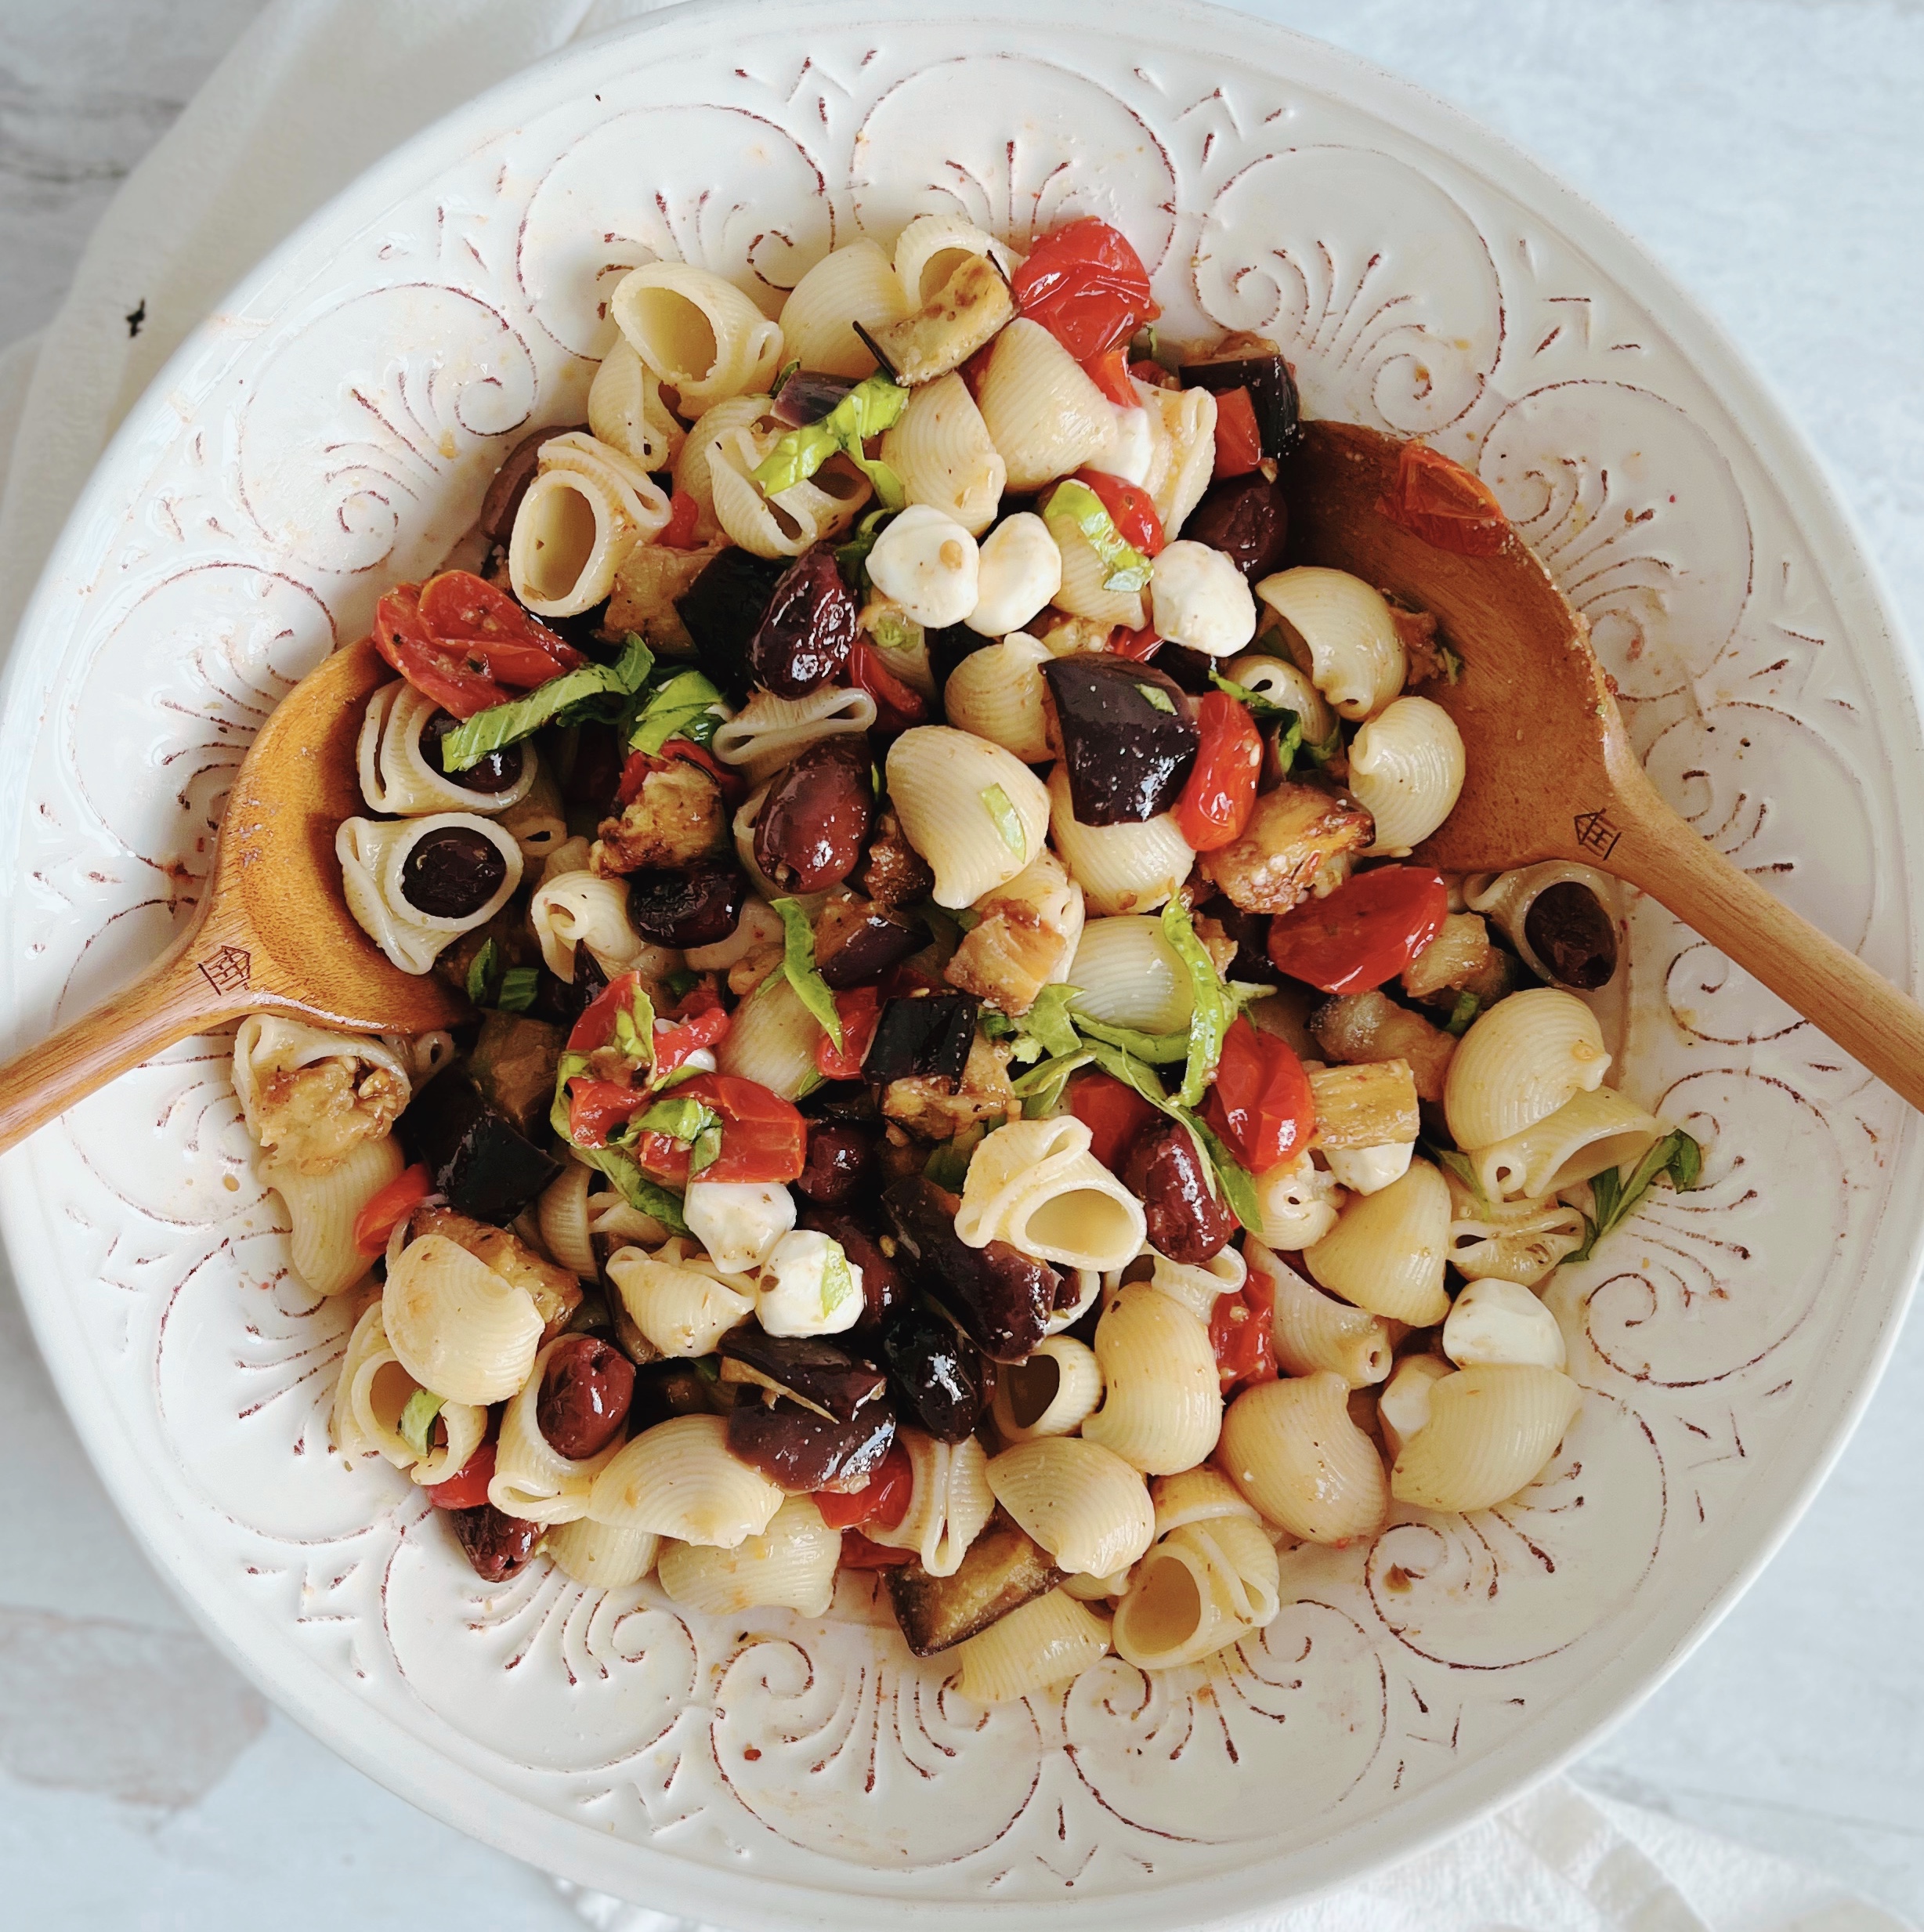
x,y
1140,646
456,680
860,1010
1367,931
1221,791
684,513
703,1028
637,766
1109,372
1446,505
596,1026
1260,1103
1087,286
462,609
763,1137
468,1488
1238,442
700,998
1131,508
388,1208
1243,1332
597,1108
884,1502
1114,1114
897,705
859,1553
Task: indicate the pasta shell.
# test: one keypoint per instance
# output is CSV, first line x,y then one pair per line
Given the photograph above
x,y
1162,1407
1201,1495
396,778
948,1503
1182,427
582,909
683,1312
789,1565
1201,1589
1298,1203
1406,770
322,1208
457,1327
1085,1506
1507,897
625,410
1492,1429
693,468
562,1218
857,284
1590,1131
933,247
1283,683
996,692
1198,1288
1341,631
1518,1063
371,857
1314,1330
1082,592
1120,868
1291,1448
1520,1240
1035,1185
1043,415
974,811
601,1555
772,1039
1047,1641
699,334
1052,1393
532,1480
677,1479
941,450
1131,975
1386,1251
769,733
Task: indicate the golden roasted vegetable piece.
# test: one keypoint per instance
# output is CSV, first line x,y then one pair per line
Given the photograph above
x,y
1368,1026
1004,1569
647,582
513,1063
1293,833
956,321
1458,953
1372,1104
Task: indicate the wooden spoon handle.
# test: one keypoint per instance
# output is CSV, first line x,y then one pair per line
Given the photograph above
x,y
175,1000
1843,998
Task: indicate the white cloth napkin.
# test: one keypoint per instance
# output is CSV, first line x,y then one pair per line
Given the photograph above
x,y
315,91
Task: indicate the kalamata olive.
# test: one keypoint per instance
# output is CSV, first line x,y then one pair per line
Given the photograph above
x,y
938,1374
1186,1222
814,820
699,906
1003,1297
664,1389
1572,936
884,1288
808,629
496,1543
496,520
496,771
866,947
722,610
1247,518
451,872
800,1452
841,1161
585,1393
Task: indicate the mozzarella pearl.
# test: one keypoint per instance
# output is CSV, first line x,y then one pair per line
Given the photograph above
x,y
1199,598
738,1222
1403,1408
1021,568
1130,450
928,563
1502,1321
808,1287
1369,1169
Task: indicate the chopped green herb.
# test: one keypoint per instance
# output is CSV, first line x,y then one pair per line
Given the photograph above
x,y
1040,1089
790,368
1155,695
520,985
852,557
1214,1007
866,411
896,631
1320,754
593,694
837,1283
686,706
1008,821
798,965
996,1026
1676,1158
1462,1013
684,1120
481,970
1458,1165
1155,1049
948,1163
1262,709
1452,661
1048,1019
682,982
634,1028
1076,503
417,1418
644,1195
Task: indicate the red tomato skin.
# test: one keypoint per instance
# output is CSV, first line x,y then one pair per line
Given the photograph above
x,y
465,610
1114,1114
1366,931
684,514
1243,1332
763,1137
884,1501
897,705
1260,1103
1138,646
596,1026
386,1210
1109,372
859,1553
706,1027
459,688
1131,508
468,1488
1087,286
1447,506
1238,441
1221,791
860,1010
595,1108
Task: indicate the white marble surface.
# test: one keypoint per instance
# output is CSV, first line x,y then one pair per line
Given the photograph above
x,y
1772,153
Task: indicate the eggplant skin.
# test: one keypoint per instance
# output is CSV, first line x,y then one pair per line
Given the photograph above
x,y
723,609
1004,1569
800,1451
925,1037
477,1158
1255,364
962,316
808,1368
1002,1298
1127,737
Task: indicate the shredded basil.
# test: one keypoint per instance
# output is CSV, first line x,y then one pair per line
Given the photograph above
x,y
1008,821
866,411
481,970
1155,1049
644,1195
1125,567
1676,1158
682,982
417,1418
852,557
896,631
948,1163
1465,1009
1215,1006
683,1120
1458,1165
1452,661
576,697
798,964
1048,1022
685,706
1320,754
514,992
1156,695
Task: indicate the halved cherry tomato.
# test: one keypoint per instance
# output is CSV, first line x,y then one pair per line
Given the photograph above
x,y
703,1028
1139,645
1238,442
1220,792
462,609
468,1488
1444,504
1114,1114
1260,1103
884,1501
763,1137
1367,931
1109,372
684,514
457,681
1243,1332
1131,508
596,1026
897,705
700,998
1087,286
859,1553
597,1108
860,1011
388,1208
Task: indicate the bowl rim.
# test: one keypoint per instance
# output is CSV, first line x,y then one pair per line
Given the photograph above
x,y
431,1779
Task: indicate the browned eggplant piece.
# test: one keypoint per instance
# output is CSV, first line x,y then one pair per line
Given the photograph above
x,y
924,1036
513,1063
1002,1298
814,821
1127,737
884,1287
808,395
800,1451
1572,936
948,646
1004,1569
723,609
1247,518
956,321
1255,364
475,1156
938,1373
816,1373
867,947
699,905
808,629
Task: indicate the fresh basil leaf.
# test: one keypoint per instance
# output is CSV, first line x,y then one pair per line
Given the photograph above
x,y
1155,1049
996,1025
576,697
1048,1020
1452,661
1155,695
521,985
685,707
1040,1089
896,631
1677,1158
1076,503
417,1415
948,1163
798,964
481,972
635,1029
1465,1009
1008,821
1686,1164
1320,754
684,1120
1262,709
1458,1165
1215,1006
852,557
1238,1185
565,1069
682,982
866,411
646,1196
705,1149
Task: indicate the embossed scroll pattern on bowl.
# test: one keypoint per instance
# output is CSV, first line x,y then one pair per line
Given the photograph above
x,y
333,429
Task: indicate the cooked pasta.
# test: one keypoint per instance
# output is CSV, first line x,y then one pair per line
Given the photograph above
x,y
583,909
1519,1062
322,1208
1342,633
1386,1252
677,1479
786,523
567,1233
997,693
1284,683
1298,1204
1313,1331
1406,769
308,1095
701,336
398,780
1083,591
1045,1642
1590,1131
933,247
1128,975
1085,1506
538,824
941,450
857,284
949,1502
457,1326
1198,1285
1507,898
694,466
386,875
769,733
1491,1429
1120,868
1201,1588
772,1040
976,812
1184,423
1162,1403
1035,1185
588,505
532,1480
1053,1393
626,411
1516,1240
790,1565
680,1303
1292,1450
1045,416
601,1555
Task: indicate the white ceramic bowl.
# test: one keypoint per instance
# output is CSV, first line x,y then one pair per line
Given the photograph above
x,y
332,429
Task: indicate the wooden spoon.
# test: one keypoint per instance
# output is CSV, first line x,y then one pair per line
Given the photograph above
x,y
1552,774
273,934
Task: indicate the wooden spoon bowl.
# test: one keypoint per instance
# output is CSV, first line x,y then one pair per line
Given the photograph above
x,y
1551,771
273,934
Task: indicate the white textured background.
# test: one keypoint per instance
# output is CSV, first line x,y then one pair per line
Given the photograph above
x,y
1771,153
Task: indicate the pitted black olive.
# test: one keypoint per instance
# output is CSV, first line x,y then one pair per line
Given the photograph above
x,y
938,1373
497,1544
496,772
814,821
840,1162
451,872
808,629
1247,518
1572,936
699,906
1186,1221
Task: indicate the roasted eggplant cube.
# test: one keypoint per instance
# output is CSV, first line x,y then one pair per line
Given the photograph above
x,y
938,1373
723,609
1127,737
867,948
925,1037
475,1155
800,1451
1255,364
1004,1298
1004,1569
973,306
813,1372
513,1065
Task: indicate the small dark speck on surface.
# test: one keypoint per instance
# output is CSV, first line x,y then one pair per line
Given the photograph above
x,y
136,316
